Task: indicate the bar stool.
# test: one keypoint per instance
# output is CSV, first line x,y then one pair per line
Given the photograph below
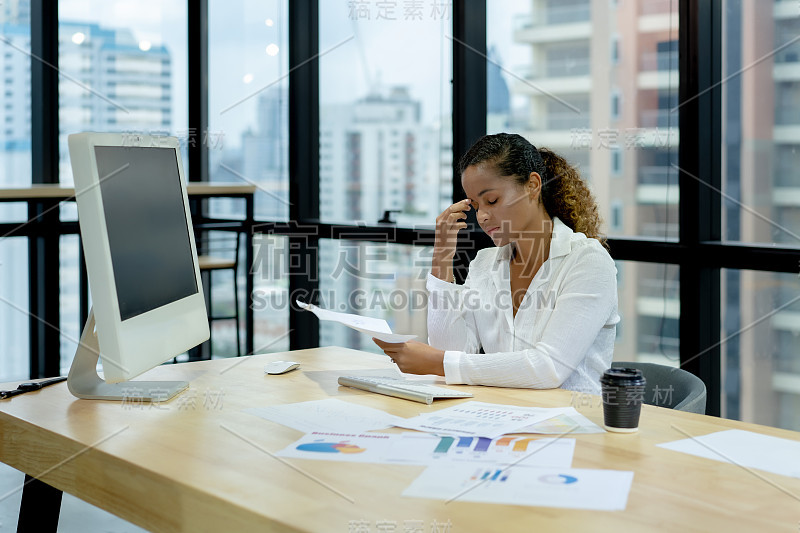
x,y
219,254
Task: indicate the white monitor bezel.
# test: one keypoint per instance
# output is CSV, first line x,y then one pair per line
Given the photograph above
x,y
130,347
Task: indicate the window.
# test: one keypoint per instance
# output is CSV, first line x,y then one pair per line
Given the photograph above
x,y
761,125
248,103
561,95
616,214
615,104
378,280
120,76
398,65
15,171
649,310
616,161
761,343
615,49
270,299
71,327
14,328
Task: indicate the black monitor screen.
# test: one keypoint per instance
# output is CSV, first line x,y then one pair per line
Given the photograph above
x,y
149,239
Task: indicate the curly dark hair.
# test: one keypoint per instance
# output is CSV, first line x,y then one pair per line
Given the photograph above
x,y
564,194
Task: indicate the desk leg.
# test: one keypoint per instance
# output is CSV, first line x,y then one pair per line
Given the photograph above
x,y
248,312
40,507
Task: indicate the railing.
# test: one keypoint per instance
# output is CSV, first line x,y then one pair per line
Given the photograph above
x,y
669,346
786,177
657,230
656,7
660,288
658,118
563,68
657,176
567,121
659,61
787,117
554,15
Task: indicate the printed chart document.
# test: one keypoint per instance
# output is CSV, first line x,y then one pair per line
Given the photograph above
x,y
374,327
422,449
572,488
344,447
476,419
744,448
564,420
327,415
507,450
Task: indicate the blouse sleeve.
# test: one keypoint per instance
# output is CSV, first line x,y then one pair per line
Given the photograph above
x,y
451,323
584,304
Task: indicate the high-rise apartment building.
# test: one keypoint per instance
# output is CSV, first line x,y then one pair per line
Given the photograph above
x,y
601,83
602,88
115,83
376,154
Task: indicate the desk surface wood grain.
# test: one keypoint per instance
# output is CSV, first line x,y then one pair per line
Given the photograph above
x,y
59,192
198,463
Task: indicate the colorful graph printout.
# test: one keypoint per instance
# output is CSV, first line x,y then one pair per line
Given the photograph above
x,y
601,490
567,421
347,447
421,449
476,419
542,451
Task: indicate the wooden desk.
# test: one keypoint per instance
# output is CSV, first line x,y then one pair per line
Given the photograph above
x,y
208,466
46,191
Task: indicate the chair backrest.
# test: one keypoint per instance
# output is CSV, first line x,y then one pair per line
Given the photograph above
x,y
219,251
670,387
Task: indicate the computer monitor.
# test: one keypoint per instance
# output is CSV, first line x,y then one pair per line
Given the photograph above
x,y
141,260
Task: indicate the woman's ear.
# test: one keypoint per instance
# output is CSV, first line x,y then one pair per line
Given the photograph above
x,y
534,185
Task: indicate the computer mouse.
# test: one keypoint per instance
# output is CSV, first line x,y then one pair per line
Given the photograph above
x,y
280,367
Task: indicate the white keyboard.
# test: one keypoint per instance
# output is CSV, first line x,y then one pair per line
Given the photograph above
x,y
402,388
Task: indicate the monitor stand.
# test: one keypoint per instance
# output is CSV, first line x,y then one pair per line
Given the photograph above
x,y
84,382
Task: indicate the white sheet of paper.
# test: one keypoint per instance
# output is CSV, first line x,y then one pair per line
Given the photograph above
x,y
745,448
475,419
565,421
422,449
326,415
374,327
572,488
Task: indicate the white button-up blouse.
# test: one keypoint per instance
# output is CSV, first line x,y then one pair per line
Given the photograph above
x,y
564,330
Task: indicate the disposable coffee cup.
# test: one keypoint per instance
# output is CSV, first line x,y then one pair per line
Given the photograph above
x,y
623,394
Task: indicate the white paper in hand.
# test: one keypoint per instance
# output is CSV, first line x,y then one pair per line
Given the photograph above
x,y
374,327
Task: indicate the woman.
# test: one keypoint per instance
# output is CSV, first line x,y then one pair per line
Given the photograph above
x,y
541,304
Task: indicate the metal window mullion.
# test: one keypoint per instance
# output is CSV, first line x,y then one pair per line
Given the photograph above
x,y
699,159
469,108
43,246
303,166
197,32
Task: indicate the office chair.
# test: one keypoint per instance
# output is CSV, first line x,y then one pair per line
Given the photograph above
x,y
217,254
670,387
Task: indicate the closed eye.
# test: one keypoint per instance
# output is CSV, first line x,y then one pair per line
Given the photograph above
x,y
492,202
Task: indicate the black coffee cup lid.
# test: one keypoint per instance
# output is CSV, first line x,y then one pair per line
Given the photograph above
x,y
622,376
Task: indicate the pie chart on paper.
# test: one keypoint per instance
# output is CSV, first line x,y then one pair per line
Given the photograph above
x,y
558,479
330,447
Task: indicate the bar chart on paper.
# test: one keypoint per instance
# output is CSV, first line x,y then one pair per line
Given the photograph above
x,y
496,474
501,450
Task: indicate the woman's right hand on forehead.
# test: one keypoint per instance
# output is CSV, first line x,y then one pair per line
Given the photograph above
x,y
448,224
